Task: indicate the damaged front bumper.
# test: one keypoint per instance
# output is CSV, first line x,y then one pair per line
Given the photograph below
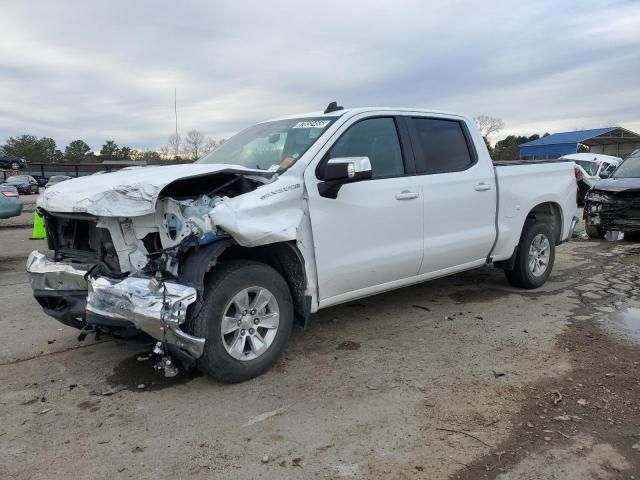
x,y
158,308
613,211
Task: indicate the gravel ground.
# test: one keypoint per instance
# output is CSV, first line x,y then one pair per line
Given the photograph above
x,y
463,377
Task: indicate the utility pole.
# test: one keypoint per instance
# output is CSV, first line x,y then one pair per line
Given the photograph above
x,y
175,109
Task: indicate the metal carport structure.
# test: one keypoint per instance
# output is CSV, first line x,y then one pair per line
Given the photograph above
x,y
616,141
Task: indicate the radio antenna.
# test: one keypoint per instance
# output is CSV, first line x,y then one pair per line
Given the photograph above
x,y
175,109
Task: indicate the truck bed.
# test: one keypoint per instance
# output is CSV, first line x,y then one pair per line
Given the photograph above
x,y
508,163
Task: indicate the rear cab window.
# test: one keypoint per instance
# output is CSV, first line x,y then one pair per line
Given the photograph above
x,y
441,145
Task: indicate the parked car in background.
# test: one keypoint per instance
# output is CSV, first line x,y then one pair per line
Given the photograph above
x,y
10,202
589,166
56,179
9,161
42,181
214,259
25,184
614,202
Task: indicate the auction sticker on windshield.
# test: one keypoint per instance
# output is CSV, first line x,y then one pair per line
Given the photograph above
x,y
312,124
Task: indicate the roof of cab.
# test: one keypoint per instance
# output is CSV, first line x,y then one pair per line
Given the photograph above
x,y
355,111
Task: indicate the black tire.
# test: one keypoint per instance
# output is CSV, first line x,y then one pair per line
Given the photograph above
x,y
593,231
15,166
224,282
522,276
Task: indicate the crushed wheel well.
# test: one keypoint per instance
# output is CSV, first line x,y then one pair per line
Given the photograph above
x,y
285,258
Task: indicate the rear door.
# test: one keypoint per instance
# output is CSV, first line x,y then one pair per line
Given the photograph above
x,y
371,234
459,194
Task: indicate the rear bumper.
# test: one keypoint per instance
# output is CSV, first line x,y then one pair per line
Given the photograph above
x,y
68,294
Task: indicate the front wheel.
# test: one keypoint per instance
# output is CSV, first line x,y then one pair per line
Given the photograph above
x,y
535,256
246,320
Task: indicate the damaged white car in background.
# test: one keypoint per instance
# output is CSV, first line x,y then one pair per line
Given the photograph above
x,y
215,260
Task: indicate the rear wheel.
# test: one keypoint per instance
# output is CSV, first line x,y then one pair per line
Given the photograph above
x,y
593,231
535,256
246,320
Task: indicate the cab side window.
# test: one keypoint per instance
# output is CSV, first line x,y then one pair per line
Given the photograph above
x,y
443,145
376,138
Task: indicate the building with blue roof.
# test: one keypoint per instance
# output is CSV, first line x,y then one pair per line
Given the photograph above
x,y
616,141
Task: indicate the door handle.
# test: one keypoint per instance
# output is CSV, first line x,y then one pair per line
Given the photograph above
x,y
406,195
481,187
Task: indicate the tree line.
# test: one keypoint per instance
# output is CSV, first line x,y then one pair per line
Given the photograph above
x,y
44,149
195,144
509,147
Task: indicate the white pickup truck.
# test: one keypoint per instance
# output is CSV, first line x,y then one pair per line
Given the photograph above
x,y
217,259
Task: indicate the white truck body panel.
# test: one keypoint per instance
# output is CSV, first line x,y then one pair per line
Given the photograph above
x,y
524,186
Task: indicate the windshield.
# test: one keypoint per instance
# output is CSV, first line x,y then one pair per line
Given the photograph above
x,y
271,145
630,168
590,167
18,178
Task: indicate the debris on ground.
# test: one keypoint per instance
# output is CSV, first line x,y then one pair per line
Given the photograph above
x,y
421,307
498,373
348,345
263,416
557,397
265,458
108,392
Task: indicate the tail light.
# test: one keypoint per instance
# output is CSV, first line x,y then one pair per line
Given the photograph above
x,y
10,193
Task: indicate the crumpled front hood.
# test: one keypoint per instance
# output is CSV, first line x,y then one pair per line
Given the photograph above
x,y
618,184
125,193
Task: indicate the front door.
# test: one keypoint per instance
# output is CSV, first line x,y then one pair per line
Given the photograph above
x,y
372,233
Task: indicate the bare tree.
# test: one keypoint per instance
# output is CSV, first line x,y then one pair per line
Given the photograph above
x,y
174,143
165,152
193,143
489,125
209,145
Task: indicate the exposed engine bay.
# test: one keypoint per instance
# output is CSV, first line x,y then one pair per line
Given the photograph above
x,y
149,243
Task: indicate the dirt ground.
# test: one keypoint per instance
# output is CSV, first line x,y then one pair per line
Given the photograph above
x,y
464,377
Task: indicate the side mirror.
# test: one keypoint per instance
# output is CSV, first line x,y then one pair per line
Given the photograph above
x,y
347,169
604,174
338,171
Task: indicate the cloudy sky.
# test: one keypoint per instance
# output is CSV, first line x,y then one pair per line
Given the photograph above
x,y
97,69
